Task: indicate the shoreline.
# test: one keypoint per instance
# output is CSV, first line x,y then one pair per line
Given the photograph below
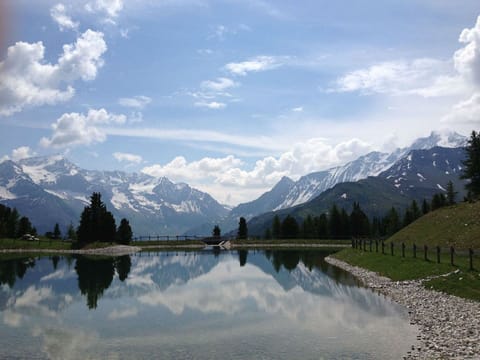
x,y
448,326
118,250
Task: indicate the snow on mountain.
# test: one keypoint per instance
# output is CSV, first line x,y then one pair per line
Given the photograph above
x,y
372,164
153,205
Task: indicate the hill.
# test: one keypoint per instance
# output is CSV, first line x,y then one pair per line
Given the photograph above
x,y
457,226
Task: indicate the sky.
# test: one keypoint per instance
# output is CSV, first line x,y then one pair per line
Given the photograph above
x,y
229,96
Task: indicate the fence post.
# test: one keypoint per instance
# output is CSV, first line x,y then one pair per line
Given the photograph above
x,y
403,249
353,243
470,253
364,245
452,251
370,245
376,245
391,248
438,254
414,251
383,247
425,250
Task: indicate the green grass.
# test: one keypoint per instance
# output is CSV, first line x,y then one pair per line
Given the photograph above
x,y
457,226
41,244
398,268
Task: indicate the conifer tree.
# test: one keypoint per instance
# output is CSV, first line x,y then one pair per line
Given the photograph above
x,y
242,232
124,232
471,164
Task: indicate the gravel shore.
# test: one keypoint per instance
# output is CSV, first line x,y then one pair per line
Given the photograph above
x,y
116,250
449,326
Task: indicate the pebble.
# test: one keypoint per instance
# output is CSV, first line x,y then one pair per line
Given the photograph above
x,y
449,326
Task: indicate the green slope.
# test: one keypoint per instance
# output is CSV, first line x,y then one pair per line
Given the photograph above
x,y
457,226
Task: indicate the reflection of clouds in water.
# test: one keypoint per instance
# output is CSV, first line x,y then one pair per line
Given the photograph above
x,y
32,297
60,274
229,289
138,280
12,318
66,344
122,314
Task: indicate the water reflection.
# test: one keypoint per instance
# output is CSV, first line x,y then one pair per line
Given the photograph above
x,y
202,305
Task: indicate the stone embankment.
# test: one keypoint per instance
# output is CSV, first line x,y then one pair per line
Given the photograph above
x,y
449,326
117,250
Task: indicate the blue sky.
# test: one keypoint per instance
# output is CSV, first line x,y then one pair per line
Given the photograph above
x,y
230,95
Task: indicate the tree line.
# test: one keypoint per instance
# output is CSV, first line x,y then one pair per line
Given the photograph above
x,y
338,224
12,225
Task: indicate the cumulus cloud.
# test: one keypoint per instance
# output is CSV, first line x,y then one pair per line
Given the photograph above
x,y
64,21
111,8
139,101
78,129
126,157
26,80
229,172
22,152
256,64
467,111
467,59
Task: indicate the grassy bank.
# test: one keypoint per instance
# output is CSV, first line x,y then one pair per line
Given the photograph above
x,y
464,283
46,244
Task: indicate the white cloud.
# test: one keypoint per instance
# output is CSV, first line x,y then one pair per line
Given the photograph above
x,y
19,153
228,176
467,111
59,15
214,105
131,158
256,64
298,109
219,85
467,59
22,152
78,129
425,77
26,80
111,8
139,101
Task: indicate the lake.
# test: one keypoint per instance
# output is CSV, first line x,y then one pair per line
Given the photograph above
x,y
194,305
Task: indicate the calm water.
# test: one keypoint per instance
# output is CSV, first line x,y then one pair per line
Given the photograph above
x,y
195,305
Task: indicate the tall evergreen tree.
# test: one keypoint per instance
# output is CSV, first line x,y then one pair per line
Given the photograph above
x,y
308,228
359,223
335,223
276,228
96,223
124,232
216,232
392,222
451,193
242,232
425,207
471,164
321,225
24,227
56,232
290,228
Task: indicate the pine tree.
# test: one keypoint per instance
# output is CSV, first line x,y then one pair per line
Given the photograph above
x,y
96,223
24,227
56,232
276,228
216,232
359,223
242,232
290,228
124,232
392,222
425,207
321,225
451,193
471,164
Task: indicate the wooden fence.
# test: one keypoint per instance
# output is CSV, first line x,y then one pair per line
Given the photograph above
x,y
374,245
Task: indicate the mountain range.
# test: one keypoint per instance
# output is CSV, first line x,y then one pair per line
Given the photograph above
x,y
53,190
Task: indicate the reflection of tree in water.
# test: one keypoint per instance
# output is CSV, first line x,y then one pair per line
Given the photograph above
x,y
123,265
242,257
12,269
96,275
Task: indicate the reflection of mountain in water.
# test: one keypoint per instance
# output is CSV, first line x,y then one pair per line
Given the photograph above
x,y
141,273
